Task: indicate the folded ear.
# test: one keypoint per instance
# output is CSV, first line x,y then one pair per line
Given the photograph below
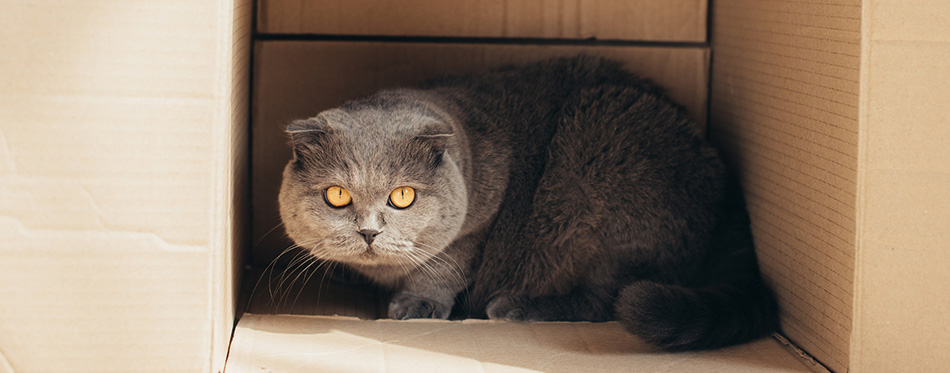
x,y
436,135
309,137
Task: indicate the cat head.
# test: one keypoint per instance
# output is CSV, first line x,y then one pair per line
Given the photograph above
x,y
374,182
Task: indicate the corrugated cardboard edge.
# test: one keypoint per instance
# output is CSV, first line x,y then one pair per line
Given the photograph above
x,y
231,143
854,345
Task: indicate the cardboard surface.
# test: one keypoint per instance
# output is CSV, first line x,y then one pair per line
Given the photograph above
x,y
338,344
649,20
121,149
903,262
295,79
784,105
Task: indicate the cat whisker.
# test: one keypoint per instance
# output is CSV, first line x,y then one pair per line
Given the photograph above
x,y
269,267
426,268
269,273
454,268
291,268
259,240
307,263
306,278
328,267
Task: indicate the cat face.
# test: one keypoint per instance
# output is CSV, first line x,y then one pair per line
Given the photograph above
x,y
373,184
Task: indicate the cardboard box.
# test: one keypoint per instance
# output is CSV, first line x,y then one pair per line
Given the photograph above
x,y
124,187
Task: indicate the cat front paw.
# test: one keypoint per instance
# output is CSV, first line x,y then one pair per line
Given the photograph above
x,y
410,306
507,307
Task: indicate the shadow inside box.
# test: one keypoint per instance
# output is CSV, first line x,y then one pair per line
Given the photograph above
x,y
322,289
333,324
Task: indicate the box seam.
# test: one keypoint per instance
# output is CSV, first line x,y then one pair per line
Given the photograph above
x,y
800,354
854,348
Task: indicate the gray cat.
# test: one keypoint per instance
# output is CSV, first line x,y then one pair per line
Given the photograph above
x,y
563,190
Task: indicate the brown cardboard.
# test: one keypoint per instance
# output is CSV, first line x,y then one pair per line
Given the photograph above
x,y
647,20
122,150
834,112
784,105
297,79
339,344
903,266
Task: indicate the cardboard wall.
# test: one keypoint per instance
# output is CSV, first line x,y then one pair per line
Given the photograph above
x,y
122,150
902,292
784,105
651,20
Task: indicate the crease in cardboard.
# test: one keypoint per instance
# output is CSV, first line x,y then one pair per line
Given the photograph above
x,y
12,224
93,216
552,360
7,161
94,206
673,364
5,366
422,334
472,344
800,354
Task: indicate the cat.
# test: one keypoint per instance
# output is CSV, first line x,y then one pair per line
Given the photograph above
x,y
568,189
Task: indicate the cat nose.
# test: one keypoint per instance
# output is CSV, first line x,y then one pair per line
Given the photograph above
x,y
369,235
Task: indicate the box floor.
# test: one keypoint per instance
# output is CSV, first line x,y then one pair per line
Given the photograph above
x,y
284,330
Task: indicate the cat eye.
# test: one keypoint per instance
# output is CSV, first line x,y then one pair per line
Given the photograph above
x,y
337,197
402,197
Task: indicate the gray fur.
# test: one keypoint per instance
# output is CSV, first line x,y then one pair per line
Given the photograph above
x,y
563,190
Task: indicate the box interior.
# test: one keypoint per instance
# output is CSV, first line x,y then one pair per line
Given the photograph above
x,y
297,77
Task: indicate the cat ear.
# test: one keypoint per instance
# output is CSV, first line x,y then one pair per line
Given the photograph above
x,y
436,136
430,143
309,136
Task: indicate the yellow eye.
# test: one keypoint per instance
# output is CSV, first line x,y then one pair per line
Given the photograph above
x,y
402,197
337,197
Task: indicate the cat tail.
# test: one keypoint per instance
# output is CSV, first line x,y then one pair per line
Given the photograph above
x,y
677,318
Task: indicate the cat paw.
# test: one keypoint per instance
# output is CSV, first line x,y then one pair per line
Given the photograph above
x,y
409,306
506,307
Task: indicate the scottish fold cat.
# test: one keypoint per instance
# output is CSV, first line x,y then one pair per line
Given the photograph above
x,y
567,189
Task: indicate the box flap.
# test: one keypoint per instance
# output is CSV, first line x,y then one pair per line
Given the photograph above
x,y
339,344
648,20
116,167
